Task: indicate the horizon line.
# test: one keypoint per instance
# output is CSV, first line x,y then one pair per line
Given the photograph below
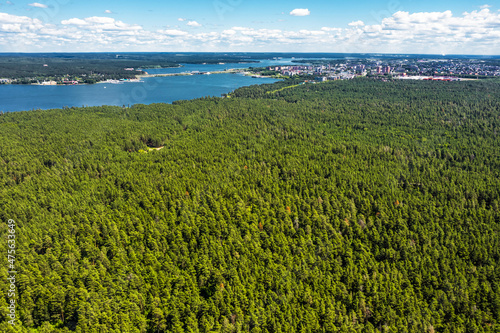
x,y
253,52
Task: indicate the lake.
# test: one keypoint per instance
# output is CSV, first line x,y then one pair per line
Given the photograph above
x,y
151,90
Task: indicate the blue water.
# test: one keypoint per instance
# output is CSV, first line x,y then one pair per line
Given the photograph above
x,y
152,90
188,68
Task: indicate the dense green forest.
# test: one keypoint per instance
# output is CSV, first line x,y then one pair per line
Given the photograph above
x,y
346,206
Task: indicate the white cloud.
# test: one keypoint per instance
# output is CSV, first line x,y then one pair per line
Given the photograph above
x,y
484,6
311,32
331,29
228,32
300,12
101,23
432,32
107,11
193,24
357,24
8,18
100,20
38,5
476,32
74,21
180,19
173,32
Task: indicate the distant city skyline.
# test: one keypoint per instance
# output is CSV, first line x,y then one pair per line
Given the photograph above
x,y
360,26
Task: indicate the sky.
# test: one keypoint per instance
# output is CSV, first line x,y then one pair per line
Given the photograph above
x,y
356,26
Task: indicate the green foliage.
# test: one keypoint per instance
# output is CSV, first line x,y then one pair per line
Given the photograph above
x,y
356,206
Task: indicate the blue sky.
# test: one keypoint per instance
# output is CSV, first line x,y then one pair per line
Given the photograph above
x,y
404,26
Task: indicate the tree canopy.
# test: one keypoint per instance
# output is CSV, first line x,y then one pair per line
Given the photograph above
x,y
344,206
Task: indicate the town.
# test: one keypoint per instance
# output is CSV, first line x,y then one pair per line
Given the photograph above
x,y
451,69
418,69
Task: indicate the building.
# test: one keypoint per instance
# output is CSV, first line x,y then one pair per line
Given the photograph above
x,y
360,69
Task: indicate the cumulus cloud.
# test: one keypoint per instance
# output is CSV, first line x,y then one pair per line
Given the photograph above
x,y
311,32
331,29
180,19
101,23
404,32
100,20
107,11
193,24
74,21
484,6
228,33
434,31
300,12
357,24
38,5
173,32
8,18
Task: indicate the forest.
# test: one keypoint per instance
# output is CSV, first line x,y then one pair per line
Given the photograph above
x,y
344,206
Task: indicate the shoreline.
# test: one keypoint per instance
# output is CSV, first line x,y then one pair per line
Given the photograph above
x,y
229,71
138,77
241,81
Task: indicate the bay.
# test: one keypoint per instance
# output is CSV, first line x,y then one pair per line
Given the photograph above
x,y
151,90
